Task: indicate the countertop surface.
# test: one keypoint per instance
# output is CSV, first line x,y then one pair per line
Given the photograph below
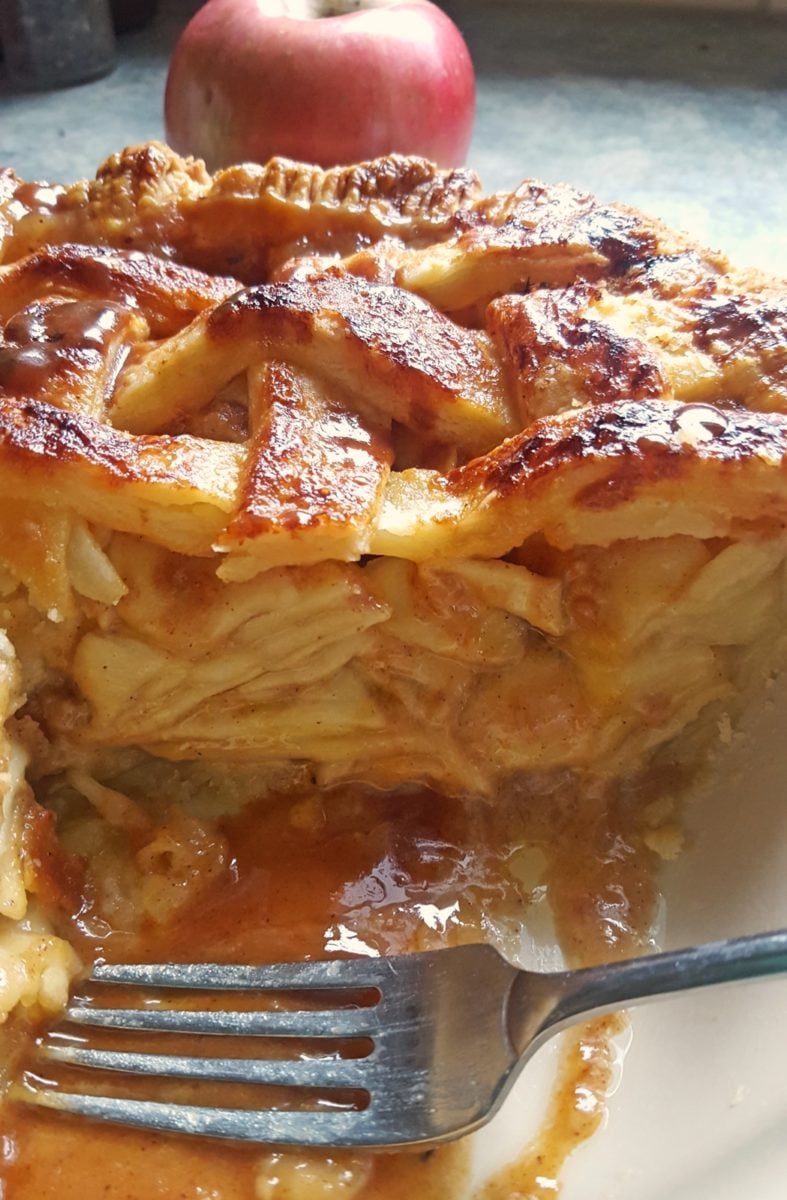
x,y
683,113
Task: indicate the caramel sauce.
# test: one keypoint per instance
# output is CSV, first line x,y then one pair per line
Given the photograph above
x,y
40,199
32,211
53,348
576,1111
359,873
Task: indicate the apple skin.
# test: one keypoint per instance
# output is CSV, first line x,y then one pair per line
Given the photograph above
x,y
247,82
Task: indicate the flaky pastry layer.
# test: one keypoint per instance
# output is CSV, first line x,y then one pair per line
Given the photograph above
x,y
362,474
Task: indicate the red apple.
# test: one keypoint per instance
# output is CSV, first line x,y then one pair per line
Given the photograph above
x,y
324,81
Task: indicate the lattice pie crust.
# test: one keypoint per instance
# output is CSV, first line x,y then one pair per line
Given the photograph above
x,y
366,475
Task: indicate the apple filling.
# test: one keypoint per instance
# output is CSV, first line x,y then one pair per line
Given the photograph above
x,y
348,611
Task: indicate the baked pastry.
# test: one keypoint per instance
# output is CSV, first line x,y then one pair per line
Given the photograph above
x,y
360,476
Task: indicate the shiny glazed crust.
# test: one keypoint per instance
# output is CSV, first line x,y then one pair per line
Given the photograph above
x,y
414,374
415,323
361,475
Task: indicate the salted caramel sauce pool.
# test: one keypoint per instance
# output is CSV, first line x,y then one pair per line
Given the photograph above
x,y
347,872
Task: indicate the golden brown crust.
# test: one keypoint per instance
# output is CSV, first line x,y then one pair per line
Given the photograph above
x,y
168,294
556,356
651,440
175,490
539,235
247,220
313,470
460,322
148,198
625,236
601,474
389,352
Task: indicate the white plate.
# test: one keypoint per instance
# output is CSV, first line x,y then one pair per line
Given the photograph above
x,y
701,1109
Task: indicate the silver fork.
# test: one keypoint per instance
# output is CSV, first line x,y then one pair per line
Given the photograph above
x,y
449,1033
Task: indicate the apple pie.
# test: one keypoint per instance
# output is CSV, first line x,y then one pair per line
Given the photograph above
x,y
334,483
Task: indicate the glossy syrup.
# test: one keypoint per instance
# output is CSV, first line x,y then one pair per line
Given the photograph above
x,y
365,874
49,347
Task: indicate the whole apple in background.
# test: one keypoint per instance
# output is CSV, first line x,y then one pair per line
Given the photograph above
x,y
323,81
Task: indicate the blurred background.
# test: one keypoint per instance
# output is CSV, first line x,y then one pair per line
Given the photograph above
x,y
680,110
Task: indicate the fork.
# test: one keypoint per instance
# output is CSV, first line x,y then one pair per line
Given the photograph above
x,y
449,1031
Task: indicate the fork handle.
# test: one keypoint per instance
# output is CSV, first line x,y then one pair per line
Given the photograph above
x,y
569,996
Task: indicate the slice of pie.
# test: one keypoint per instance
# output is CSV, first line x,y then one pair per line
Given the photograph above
x,y
358,477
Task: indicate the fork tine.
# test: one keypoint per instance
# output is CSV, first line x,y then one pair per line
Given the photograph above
x,y
347,973
427,1080
331,1023
311,1073
271,1127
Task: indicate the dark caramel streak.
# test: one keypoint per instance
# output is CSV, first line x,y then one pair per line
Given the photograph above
x,y
288,300
66,353
545,338
620,234
403,328
672,276
169,295
646,441
556,214
730,325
